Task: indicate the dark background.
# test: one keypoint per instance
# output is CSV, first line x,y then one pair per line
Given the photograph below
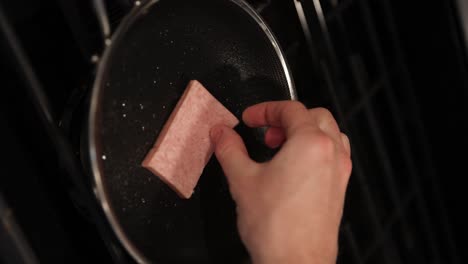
x,y
400,92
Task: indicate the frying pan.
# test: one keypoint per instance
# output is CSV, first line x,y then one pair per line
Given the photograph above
x,y
154,52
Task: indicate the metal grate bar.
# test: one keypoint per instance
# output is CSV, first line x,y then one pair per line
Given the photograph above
x,y
358,173
427,153
364,104
60,145
388,172
395,113
338,10
360,79
364,101
332,57
331,84
393,220
357,256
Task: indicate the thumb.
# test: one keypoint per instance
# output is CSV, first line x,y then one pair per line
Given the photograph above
x,y
232,155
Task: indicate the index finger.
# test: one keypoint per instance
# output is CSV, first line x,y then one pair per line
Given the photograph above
x,y
288,115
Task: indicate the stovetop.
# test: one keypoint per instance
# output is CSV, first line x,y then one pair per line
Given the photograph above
x,y
370,62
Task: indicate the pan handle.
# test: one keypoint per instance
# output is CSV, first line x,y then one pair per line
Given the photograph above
x,y
108,15
103,19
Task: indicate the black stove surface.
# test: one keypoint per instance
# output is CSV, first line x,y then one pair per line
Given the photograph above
x,y
395,79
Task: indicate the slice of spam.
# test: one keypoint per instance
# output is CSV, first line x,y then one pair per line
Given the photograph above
x,y
183,146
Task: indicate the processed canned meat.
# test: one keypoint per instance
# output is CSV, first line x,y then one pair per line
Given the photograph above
x,y
183,146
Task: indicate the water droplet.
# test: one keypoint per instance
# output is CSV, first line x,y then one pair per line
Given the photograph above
x,y
123,104
143,200
172,41
164,107
141,107
154,81
170,83
124,115
157,67
143,128
104,157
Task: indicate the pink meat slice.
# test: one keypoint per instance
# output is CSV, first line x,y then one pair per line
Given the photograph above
x,y
183,147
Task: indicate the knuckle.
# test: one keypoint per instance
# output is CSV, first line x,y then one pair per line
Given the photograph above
x,y
323,112
326,119
319,144
325,144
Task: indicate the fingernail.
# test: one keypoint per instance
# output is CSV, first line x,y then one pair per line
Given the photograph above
x,y
215,133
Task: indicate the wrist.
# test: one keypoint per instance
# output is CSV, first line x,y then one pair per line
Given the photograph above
x,y
297,256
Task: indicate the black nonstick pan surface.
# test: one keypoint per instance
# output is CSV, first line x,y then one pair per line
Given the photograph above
x,y
156,50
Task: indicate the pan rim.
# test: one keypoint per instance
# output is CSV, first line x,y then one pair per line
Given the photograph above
x,y
95,162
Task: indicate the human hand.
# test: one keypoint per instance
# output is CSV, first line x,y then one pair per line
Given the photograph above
x,y
288,209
